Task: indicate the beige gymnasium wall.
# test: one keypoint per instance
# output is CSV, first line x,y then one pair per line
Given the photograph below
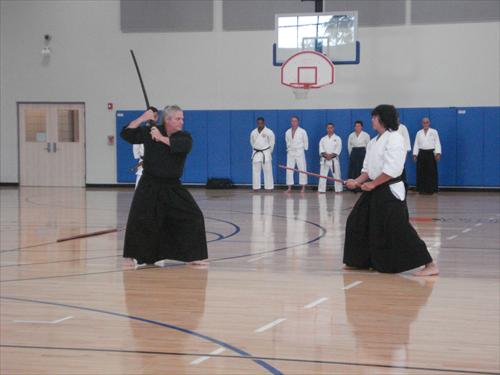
x,y
410,66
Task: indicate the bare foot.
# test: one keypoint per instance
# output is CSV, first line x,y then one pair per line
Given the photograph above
x,y
349,268
288,191
430,269
128,263
203,262
303,190
138,265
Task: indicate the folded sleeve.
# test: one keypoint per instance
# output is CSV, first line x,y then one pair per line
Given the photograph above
x,y
181,143
134,136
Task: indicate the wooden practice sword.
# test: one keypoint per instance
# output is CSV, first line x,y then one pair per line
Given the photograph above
x,y
312,174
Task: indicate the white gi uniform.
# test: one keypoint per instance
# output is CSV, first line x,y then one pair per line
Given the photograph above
x,y
360,140
295,154
387,154
138,151
403,130
429,141
263,146
330,145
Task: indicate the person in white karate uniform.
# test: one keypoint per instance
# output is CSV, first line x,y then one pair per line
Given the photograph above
x,y
356,146
297,143
262,140
426,153
138,151
330,147
403,130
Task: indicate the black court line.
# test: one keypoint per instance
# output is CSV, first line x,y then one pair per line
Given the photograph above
x,y
225,345
296,360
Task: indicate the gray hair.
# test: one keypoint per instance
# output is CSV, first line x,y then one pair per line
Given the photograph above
x,y
169,110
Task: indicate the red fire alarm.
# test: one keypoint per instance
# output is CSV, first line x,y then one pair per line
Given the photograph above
x,y
110,106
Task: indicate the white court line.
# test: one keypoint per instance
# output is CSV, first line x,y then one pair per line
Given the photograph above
x,y
204,358
466,230
258,258
315,303
44,321
452,237
478,224
352,285
270,325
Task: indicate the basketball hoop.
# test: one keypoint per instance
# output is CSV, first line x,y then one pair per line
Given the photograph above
x,y
301,93
307,70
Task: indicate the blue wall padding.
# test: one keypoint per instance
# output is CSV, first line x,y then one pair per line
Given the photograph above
x,y
491,151
470,138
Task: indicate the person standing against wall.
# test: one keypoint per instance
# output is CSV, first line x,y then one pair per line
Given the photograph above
x,y
297,143
403,130
138,151
426,153
330,147
262,141
356,146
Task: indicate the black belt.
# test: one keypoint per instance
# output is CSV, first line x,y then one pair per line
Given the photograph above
x,y
262,151
163,180
392,181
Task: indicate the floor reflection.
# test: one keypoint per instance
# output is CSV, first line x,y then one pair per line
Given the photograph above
x,y
381,317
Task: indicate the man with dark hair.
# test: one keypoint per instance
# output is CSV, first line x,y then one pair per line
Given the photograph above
x,y
262,141
164,220
356,146
297,143
378,231
427,152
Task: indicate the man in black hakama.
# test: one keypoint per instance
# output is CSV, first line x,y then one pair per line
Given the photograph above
x,y
356,146
426,153
164,220
378,232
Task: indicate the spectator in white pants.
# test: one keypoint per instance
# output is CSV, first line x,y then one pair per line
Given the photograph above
x,y
138,151
330,147
262,140
296,145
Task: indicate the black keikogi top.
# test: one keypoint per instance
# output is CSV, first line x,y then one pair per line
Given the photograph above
x,y
159,159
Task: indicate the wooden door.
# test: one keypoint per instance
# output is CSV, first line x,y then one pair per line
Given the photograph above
x,y
52,145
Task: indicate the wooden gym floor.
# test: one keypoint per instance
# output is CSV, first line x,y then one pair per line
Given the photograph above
x,y
273,300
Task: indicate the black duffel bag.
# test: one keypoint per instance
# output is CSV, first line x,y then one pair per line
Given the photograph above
x,y
219,183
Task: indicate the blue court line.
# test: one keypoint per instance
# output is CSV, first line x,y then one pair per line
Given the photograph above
x,y
242,353
278,359
237,229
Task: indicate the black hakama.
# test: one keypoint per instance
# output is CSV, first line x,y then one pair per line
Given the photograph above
x,y
164,220
356,161
427,174
380,236
164,223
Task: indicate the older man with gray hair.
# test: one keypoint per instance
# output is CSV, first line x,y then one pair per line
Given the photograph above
x,y
164,220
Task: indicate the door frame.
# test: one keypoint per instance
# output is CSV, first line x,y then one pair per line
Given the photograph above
x,y
18,105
